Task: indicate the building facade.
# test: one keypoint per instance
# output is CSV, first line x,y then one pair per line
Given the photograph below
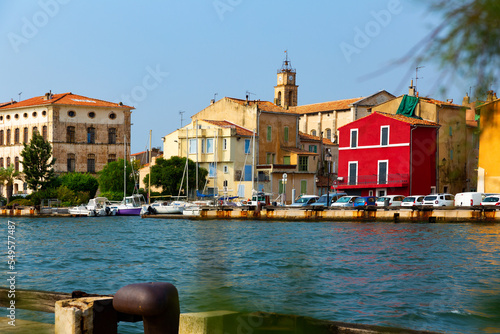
x,y
489,162
85,133
384,154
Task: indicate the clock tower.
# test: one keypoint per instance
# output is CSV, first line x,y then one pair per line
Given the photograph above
x,y
285,93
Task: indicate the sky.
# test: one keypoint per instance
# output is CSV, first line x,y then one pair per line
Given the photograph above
x,y
168,59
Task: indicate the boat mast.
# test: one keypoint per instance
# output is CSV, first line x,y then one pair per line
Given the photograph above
x,y
124,166
149,169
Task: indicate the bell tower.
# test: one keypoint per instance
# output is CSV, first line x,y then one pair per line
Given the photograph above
x,y
285,93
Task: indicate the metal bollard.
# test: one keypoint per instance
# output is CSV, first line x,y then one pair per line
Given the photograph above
x,y
156,302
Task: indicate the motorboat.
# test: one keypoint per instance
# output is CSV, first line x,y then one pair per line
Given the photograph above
x,y
130,206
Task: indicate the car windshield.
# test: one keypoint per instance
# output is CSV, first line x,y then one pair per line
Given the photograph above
x,y
381,199
344,199
491,199
409,199
359,200
302,200
430,198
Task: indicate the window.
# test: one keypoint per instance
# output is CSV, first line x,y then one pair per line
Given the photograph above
x,y
278,100
353,173
8,162
44,132
329,134
280,187
1,137
1,163
313,132
34,131
91,135
112,115
210,145
285,134
70,134
269,133
451,154
91,114
8,137
247,146
303,186
112,136
16,164
225,169
16,136
91,163
71,113
192,146
269,158
286,160
445,189
211,169
451,131
382,172
224,144
71,162
25,115
111,158
25,135
384,136
313,148
248,173
203,146
354,138
303,161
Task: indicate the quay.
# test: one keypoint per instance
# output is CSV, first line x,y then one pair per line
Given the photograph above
x,y
397,214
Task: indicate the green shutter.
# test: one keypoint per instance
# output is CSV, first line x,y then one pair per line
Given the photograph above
x,y
303,186
269,131
286,160
286,133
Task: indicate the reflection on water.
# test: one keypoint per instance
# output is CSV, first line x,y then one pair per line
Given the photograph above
x,y
441,277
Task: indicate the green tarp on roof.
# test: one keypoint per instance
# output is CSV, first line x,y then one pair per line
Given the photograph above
x,y
407,106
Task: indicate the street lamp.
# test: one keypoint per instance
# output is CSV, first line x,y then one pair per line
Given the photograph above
x,y
328,158
283,180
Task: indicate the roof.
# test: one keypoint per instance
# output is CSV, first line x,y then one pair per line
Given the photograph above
x,y
298,151
410,120
262,105
441,103
64,99
305,137
325,106
226,124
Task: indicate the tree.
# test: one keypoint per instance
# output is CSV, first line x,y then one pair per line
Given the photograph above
x,y
7,177
167,174
111,177
38,164
79,182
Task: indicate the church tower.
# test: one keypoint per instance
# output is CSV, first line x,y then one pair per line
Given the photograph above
x,y
285,93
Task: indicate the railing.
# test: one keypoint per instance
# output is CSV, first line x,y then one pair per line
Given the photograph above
x,y
374,180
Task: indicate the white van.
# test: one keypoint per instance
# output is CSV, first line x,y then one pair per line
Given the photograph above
x,y
468,199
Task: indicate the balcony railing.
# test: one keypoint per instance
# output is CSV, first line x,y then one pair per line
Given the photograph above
x,y
376,180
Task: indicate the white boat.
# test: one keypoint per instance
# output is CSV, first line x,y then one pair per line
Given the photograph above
x,y
131,206
192,210
80,210
174,207
99,206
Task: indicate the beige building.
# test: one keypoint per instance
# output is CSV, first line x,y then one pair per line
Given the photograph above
x,y
455,142
85,133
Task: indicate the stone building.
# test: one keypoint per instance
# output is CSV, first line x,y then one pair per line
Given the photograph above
x,y
85,133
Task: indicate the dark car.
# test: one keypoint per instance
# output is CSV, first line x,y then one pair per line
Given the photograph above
x,y
365,201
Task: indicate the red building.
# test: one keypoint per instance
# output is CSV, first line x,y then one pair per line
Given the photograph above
x,y
386,154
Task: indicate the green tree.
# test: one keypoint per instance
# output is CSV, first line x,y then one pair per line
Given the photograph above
x,y
38,164
111,177
7,177
79,182
167,174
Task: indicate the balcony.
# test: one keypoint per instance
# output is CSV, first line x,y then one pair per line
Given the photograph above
x,y
374,181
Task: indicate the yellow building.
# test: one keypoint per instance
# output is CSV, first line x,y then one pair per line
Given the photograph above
x,y
85,133
455,141
489,161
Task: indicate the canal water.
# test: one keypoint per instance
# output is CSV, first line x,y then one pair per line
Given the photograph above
x,y
438,277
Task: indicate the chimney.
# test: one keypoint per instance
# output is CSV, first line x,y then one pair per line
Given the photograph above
x,y
411,91
48,95
466,100
212,101
491,96
246,100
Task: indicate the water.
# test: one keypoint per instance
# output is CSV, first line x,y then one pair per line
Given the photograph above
x,y
439,277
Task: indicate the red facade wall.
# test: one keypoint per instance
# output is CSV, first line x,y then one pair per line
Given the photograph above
x,y
422,141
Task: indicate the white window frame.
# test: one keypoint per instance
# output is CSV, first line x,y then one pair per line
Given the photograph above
x,y
224,144
381,189
193,148
357,138
386,172
225,168
388,134
370,192
212,148
349,172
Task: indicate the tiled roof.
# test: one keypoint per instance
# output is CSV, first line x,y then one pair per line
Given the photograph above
x,y
262,105
226,124
410,120
298,151
440,103
65,99
304,137
325,106
2,104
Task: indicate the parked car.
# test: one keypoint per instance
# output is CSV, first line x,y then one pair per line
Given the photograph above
x,y
492,200
414,200
365,201
390,200
439,200
304,200
469,199
345,201
332,197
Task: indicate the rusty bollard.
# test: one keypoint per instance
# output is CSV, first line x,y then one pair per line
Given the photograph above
x,y
156,302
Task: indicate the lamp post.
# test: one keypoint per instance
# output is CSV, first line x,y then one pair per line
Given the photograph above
x,y
328,158
283,180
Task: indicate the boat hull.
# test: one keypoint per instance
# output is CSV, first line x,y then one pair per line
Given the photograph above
x,y
129,212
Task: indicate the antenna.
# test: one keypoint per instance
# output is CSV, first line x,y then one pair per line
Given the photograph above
x,y
20,96
181,112
215,96
416,76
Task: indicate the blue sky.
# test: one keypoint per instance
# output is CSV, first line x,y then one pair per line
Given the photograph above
x,y
169,56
